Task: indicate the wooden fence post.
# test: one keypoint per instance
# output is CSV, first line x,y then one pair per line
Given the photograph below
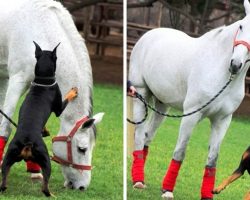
x,y
130,127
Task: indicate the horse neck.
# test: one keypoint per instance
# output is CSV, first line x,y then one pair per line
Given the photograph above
x,y
226,37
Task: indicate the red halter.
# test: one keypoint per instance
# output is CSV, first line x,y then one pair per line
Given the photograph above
x,y
237,42
68,139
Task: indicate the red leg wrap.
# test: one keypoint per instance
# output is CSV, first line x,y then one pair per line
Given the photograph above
x,y
32,167
2,145
171,175
208,182
137,170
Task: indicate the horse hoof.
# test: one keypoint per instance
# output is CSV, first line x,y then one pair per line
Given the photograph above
x,y
139,185
36,176
167,195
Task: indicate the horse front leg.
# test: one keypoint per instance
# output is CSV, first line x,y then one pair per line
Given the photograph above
x,y
186,127
16,87
218,131
139,153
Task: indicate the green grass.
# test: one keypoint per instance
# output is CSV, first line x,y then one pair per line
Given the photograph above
x,y
190,176
107,158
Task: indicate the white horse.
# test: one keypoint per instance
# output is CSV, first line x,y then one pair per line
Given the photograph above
x,y
49,23
183,72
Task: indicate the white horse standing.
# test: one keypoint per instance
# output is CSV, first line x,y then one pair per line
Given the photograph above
x,y
48,23
184,72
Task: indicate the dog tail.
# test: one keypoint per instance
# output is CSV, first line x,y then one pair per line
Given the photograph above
x,y
26,152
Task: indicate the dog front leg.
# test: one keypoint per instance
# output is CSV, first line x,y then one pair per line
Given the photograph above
x,y
59,106
244,165
70,96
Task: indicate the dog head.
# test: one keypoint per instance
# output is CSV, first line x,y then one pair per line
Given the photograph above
x,y
46,62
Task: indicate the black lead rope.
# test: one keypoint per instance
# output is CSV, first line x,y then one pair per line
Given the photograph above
x,y
147,105
7,117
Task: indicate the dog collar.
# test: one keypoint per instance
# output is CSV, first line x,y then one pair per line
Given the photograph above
x,y
43,78
42,85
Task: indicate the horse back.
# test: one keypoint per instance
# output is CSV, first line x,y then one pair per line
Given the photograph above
x,y
161,61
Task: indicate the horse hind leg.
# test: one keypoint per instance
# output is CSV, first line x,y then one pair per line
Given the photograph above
x,y
151,126
137,170
154,122
218,131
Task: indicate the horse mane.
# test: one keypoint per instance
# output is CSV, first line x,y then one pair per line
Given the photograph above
x,y
214,32
76,41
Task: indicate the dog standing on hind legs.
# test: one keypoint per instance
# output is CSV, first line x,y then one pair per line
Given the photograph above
x,y
244,165
43,98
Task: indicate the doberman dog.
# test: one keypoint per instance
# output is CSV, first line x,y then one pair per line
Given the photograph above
x,y
244,165
43,98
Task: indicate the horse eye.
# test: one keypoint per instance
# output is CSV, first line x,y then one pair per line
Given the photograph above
x,y
240,27
82,150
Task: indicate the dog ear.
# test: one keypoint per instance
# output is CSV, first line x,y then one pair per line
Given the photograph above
x,y
38,51
54,51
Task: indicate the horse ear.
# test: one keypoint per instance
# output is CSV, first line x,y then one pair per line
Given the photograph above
x,y
88,123
98,117
54,51
95,120
38,51
247,7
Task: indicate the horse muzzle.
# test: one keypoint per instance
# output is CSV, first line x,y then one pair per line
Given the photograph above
x,y
235,66
73,186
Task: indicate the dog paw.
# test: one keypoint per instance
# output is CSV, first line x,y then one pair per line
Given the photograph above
x,y
45,132
72,94
46,193
218,190
247,196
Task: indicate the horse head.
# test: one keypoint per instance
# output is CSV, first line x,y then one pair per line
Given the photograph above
x,y
74,152
241,44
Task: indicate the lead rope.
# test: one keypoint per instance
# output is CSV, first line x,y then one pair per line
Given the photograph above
x,y
147,105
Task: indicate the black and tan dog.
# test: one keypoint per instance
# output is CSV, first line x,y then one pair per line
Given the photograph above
x,y
244,165
43,98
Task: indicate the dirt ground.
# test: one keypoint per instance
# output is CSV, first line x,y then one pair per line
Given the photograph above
x,y
108,70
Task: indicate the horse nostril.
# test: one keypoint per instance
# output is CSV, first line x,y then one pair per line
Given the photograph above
x,y
71,185
82,188
240,65
235,66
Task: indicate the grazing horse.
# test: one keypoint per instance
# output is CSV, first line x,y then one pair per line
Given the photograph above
x,y
49,23
184,73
